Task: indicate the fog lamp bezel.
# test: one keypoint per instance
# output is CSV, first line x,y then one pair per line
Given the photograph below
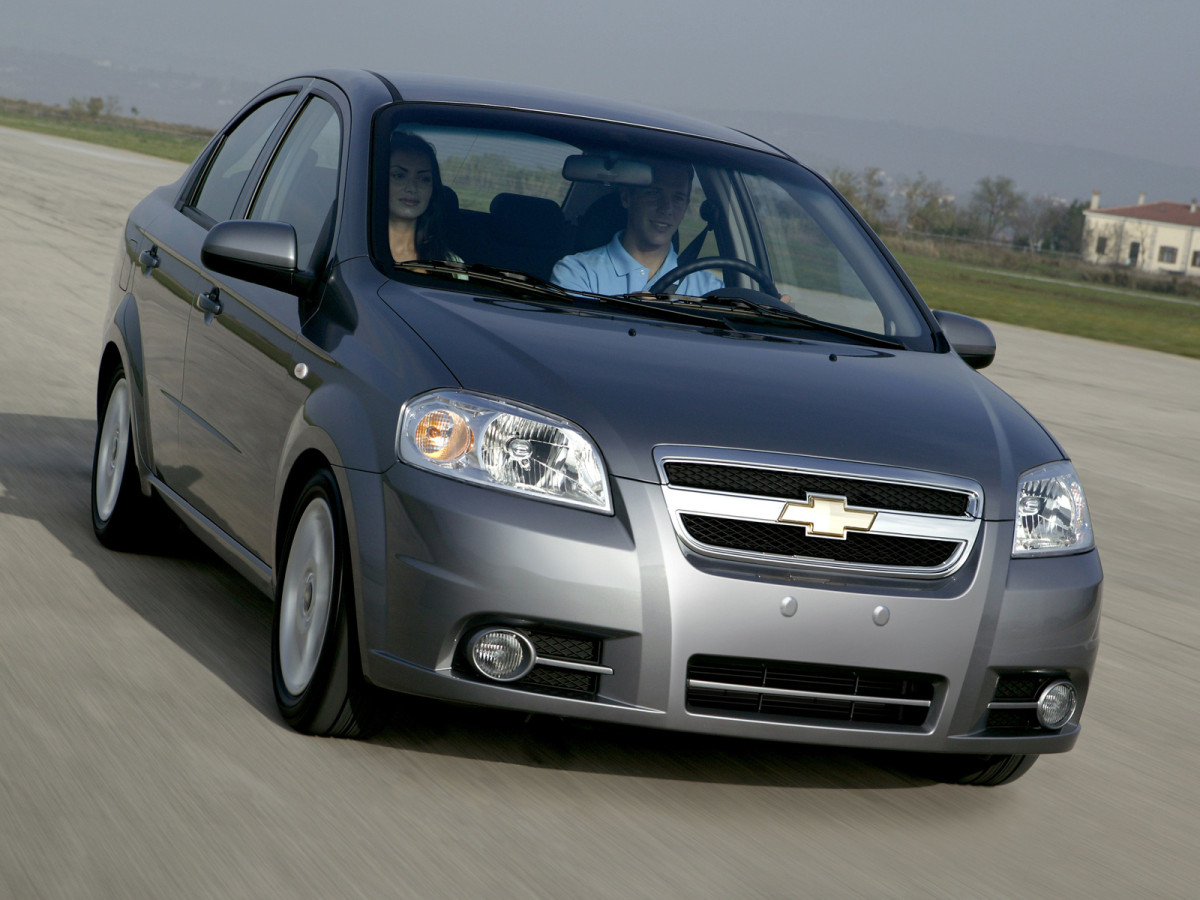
x,y
1044,693
526,645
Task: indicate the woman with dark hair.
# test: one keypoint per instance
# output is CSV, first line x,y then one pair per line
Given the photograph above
x,y
415,226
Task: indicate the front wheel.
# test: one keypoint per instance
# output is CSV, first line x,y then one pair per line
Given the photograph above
x,y
981,771
318,684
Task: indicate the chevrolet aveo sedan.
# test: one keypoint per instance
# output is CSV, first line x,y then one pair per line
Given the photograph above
x,y
759,491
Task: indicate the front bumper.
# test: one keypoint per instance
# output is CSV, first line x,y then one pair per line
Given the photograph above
x,y
445,559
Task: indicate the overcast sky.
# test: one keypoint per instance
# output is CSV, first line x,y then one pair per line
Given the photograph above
x,y
1102,74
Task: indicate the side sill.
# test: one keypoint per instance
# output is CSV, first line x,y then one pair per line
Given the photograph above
x,y
249,566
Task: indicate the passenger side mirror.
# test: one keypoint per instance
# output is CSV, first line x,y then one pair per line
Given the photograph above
x,y
970,338
261,252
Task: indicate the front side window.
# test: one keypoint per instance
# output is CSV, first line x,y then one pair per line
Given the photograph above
x,y
300,187
607,210
226,174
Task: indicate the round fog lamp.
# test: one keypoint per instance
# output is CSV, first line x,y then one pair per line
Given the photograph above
x,y
1056,705
502,654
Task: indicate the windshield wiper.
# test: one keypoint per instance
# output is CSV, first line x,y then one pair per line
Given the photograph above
x,y
742,304
525,285
521,283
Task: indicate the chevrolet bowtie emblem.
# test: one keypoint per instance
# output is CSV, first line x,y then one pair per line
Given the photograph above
x,y
827,517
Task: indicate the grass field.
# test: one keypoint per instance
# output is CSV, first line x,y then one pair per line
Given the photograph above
x,y
178,142
1169,323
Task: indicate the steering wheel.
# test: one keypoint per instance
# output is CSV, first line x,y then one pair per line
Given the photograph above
x,y
712,262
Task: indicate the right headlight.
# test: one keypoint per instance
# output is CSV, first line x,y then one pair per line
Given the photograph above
x,y
1052,514
500,444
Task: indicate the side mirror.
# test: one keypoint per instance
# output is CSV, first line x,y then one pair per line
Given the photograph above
x,y
261,252
970,338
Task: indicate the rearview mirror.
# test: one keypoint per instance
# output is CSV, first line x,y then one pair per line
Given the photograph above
x,y
607,170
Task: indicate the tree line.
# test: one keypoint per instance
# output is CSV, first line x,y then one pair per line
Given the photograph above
x,y
995,211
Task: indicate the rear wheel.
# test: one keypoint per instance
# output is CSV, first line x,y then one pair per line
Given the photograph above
x,y
120,513
318,683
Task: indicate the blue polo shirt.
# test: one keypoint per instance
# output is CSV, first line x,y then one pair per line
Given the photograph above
x,y
611,270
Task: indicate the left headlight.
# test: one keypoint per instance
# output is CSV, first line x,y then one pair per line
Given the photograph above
x,y
499,444
1052,514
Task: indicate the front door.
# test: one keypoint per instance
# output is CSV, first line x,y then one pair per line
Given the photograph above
x,y
241,390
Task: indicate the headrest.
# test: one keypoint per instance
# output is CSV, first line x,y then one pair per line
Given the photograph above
x,y
448,200
518,211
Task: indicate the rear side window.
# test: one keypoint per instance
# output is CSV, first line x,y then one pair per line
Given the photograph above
x,y
226,174
301,184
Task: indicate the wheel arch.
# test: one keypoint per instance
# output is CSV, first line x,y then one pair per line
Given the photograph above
x,y
123,348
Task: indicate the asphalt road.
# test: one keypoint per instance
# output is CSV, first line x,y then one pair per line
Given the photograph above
x,y
141,754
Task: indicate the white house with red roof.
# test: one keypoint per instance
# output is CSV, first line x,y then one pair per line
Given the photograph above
x,y
1155,237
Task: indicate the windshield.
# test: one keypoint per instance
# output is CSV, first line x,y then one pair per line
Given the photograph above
x,y
600,210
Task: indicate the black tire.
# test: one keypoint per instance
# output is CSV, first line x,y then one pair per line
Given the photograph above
x,y
314,660
981,771
121,515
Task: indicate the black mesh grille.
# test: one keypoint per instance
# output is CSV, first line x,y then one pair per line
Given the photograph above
x,y
1024,719
850,682
564,647
798,485
1022,686
559,682
791,540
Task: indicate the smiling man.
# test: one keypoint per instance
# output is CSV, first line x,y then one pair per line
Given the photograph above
x,y
642,252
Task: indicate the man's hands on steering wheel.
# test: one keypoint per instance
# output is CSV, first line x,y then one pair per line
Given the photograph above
x,y
728,262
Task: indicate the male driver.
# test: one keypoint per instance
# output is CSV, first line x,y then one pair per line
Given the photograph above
x,y
637,256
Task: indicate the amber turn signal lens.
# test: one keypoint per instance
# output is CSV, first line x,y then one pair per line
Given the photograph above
x,y
443,435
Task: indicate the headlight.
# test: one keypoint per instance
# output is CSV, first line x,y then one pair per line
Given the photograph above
x,y
1052,514
502,445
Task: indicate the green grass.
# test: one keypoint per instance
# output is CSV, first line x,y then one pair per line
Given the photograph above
x,y
178,142
1066,307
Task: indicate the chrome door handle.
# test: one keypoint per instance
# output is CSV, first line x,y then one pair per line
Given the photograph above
x,y
210,303
148,259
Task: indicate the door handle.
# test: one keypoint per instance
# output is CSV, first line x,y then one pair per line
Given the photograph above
x,y
148,259
210,303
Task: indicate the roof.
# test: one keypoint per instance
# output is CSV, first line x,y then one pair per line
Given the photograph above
x,y
477,91
1164,211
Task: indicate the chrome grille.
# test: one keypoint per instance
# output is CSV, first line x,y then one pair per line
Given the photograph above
x,y
786,540
798,485
740,687
731,504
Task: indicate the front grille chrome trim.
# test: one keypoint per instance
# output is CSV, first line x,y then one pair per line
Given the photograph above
x,y
807,695
574,666
959,530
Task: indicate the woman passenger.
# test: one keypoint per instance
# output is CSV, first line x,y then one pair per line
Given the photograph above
x,y
415,220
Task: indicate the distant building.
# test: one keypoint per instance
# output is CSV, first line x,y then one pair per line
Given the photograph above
x,y
1154,237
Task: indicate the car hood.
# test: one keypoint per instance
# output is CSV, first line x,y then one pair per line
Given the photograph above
x,y
633,384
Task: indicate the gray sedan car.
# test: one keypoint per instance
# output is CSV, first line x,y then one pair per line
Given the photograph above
x,y
528,400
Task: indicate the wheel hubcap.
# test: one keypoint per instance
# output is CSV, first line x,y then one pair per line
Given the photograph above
x,y
114,445
307,596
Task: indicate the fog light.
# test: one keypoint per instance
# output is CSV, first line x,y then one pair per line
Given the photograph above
x,y
502,654
1056,705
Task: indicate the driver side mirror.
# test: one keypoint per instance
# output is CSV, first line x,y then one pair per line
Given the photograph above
x,y
969,338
